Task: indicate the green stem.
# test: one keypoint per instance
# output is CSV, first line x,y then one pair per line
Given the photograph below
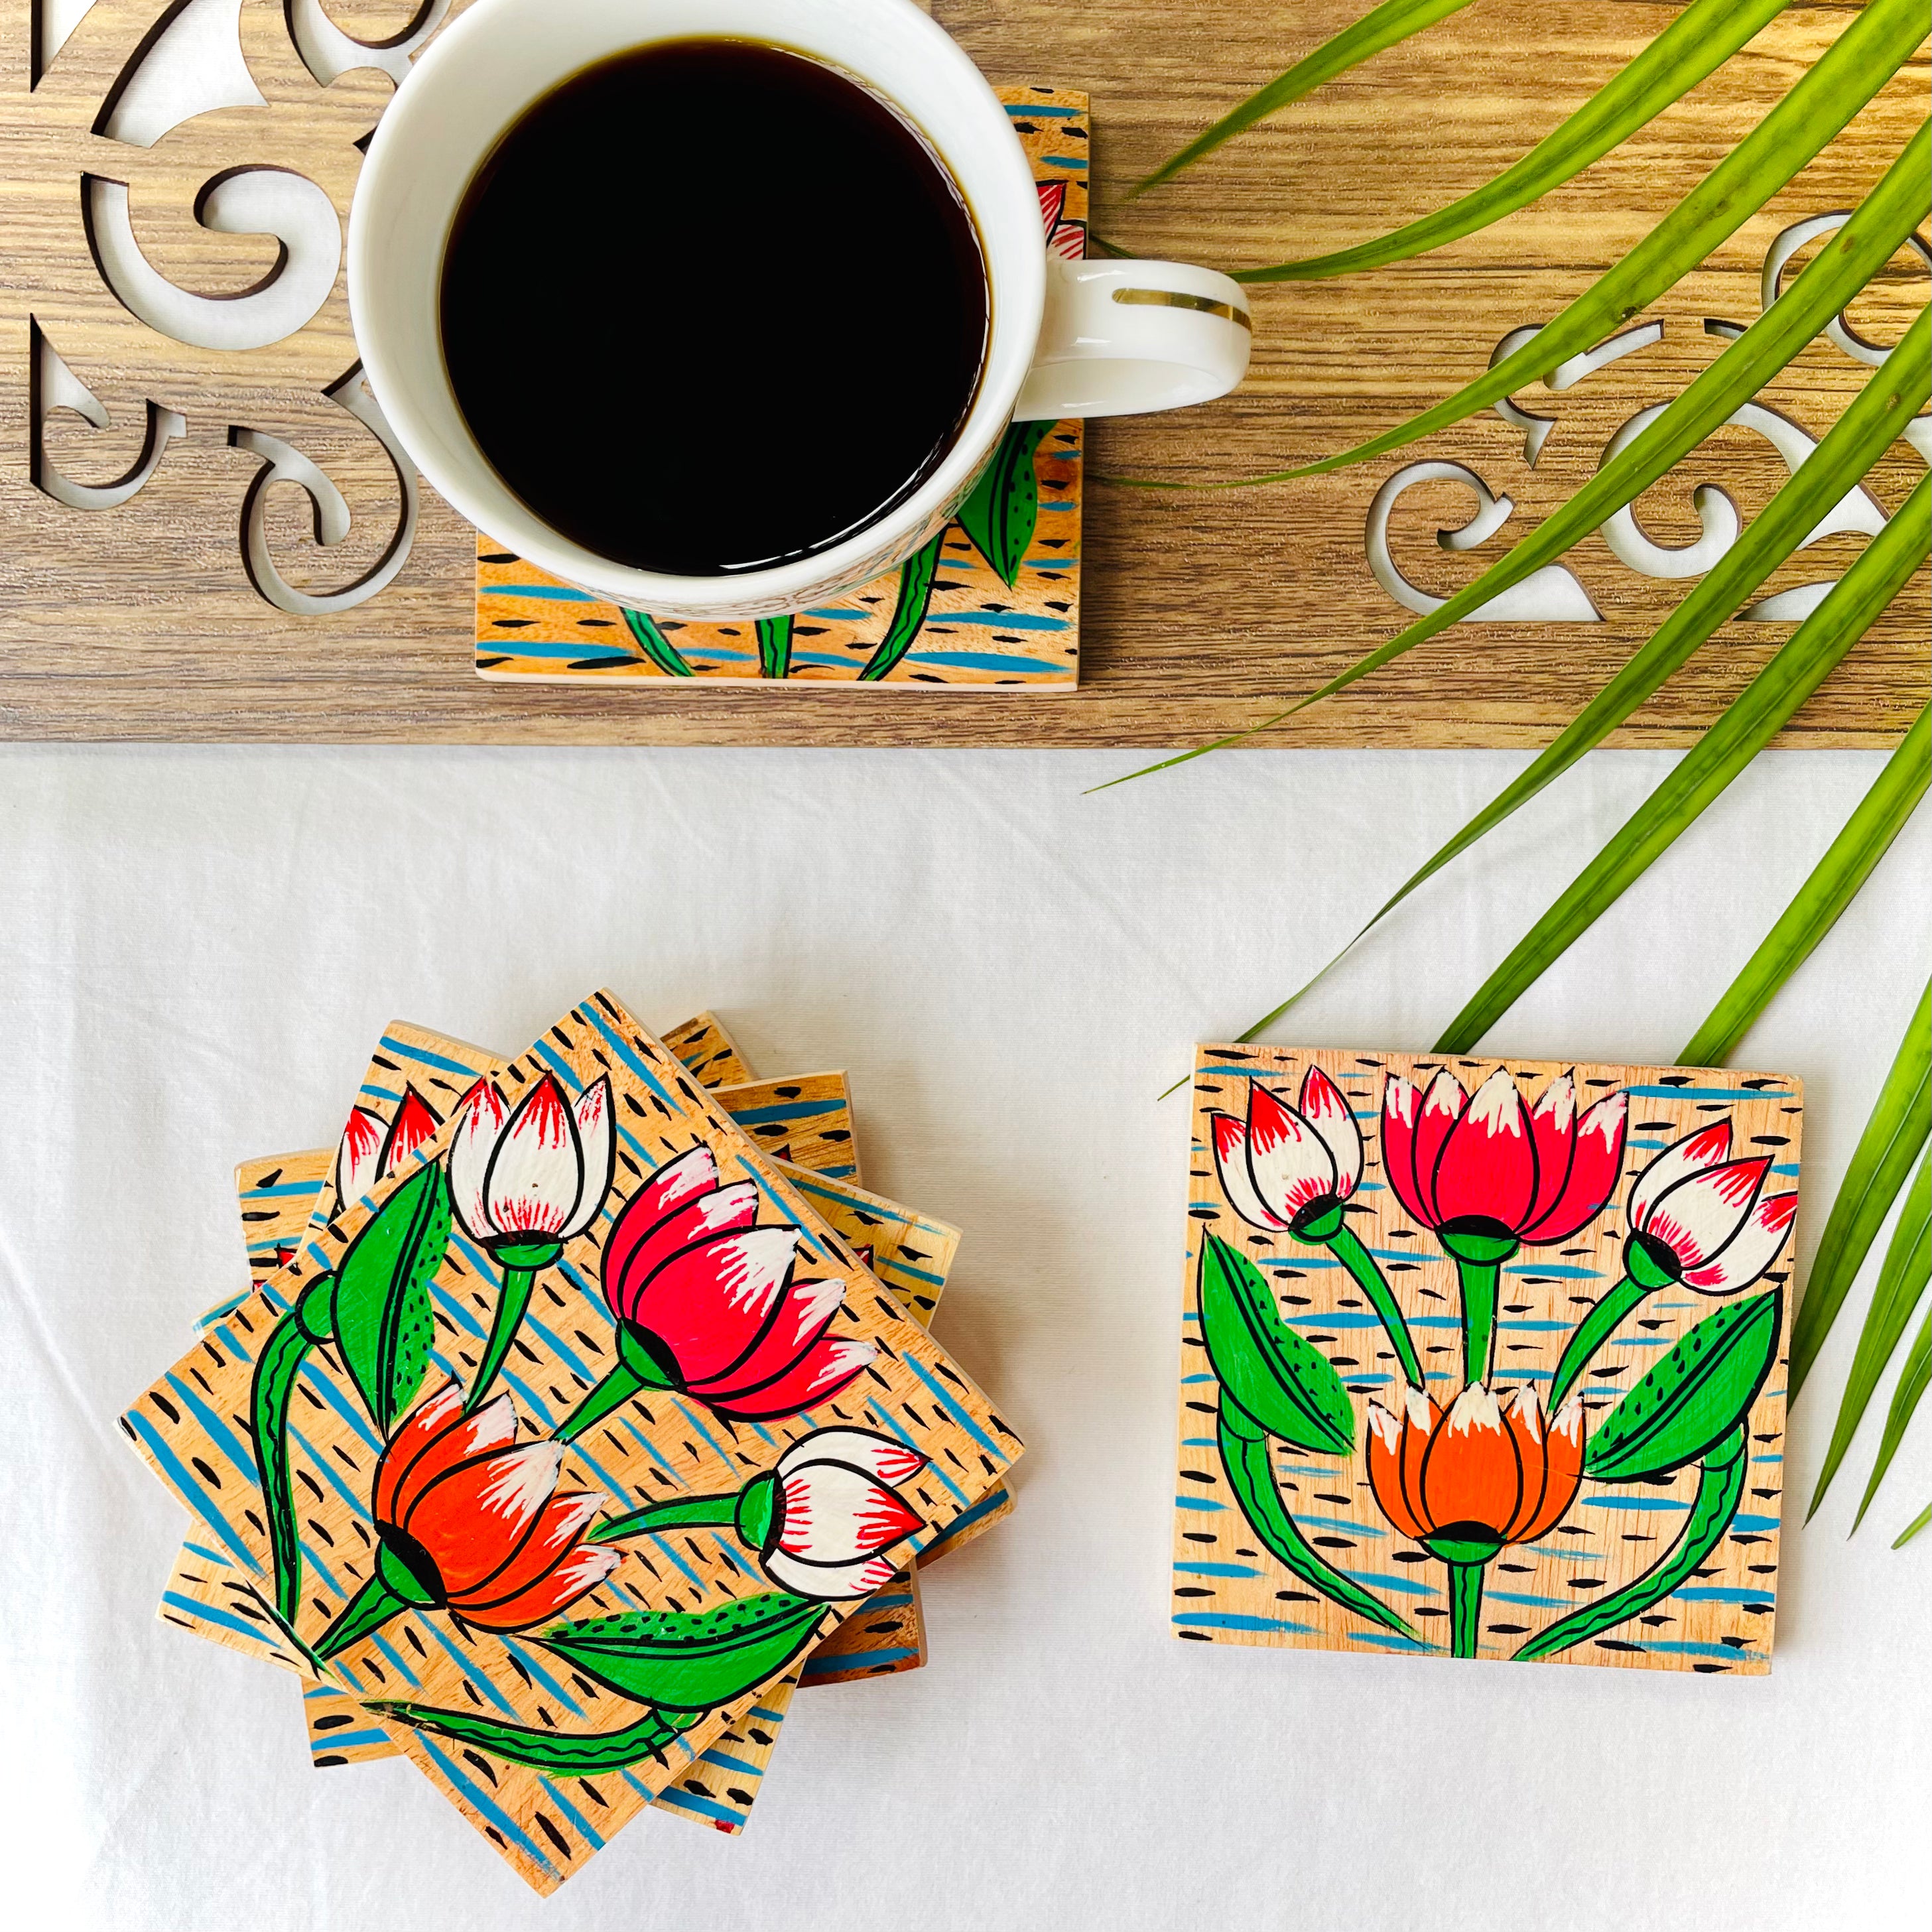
x,y
308,1322
1465,1604
656,646
512,1298
1590,1334
371,1607
1478,1281
706,1512
549,1750
915,576
612,1393
1361,1265
774,646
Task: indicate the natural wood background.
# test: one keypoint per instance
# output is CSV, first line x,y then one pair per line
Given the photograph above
x,y
1202,612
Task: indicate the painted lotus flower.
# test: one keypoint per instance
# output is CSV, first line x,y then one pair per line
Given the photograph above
x,y
469,1520
821,1521
1698,1218
713,1304
1290,1167
1484,1472
1485,1165
535,1176
373,1148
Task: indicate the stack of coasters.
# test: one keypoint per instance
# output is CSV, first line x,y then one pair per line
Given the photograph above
x,y
992,604
1485,1358
581,1409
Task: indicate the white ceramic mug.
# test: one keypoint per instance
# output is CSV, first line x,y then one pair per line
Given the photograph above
x,y
1066,338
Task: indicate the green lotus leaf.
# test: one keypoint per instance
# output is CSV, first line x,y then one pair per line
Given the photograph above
x,y
1693,1399
1290,1389
383,1323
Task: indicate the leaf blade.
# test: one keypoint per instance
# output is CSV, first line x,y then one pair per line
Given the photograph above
x,y
1875,419
1689,1401
1897,1127
1800,666
1383,28
1289,1387
1700,40
384,1327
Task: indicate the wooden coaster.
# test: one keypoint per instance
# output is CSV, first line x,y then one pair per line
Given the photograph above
x,y
1607,1489
1000,610
916,1397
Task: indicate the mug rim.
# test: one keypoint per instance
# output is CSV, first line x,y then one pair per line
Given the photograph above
x,y
432,428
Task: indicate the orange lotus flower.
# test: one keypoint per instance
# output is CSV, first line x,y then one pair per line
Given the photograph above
x,y
1464,1481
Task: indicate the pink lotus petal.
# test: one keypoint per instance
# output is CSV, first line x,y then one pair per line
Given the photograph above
x,y
824,1368
1708,1147
708,1305
1325,1108
1444,1103
1230,1163
358,1160
414,1125
637,1258
1400,1104
1552,1132
1750,1251
1487,1166
1694,1218
1596,1160
1289,1161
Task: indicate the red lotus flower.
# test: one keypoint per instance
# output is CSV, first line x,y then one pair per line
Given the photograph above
x,y
372,1149
1484,1473
1290,1167
1700,1218
1488,1169
471,1521
821,1520
711,1304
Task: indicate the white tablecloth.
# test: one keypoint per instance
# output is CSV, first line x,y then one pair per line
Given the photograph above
x,y
198,949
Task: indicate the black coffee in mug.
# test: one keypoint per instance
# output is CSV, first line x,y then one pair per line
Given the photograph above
x,y
710,306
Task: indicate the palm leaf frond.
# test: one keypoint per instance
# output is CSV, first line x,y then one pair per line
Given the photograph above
x,y
1900,1120
1800,666
1692,48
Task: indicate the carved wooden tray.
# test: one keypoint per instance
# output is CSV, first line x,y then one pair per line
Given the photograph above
x,y
207,535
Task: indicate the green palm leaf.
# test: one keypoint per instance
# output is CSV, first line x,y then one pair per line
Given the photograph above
x,y
1799,668
1877,418
1881,223
1833,883
1900,1120
1901,1280
1913,1528
1394,20
1698,42
1842,80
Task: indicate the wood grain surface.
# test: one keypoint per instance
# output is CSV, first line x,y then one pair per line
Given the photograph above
x,y
1203,611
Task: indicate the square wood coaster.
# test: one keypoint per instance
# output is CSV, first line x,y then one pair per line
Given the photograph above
x,y
279,1198
998,609
1485,1358
181,1428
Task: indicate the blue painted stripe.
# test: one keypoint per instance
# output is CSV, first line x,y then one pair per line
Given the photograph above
x,y
1391,1640
570,1811
1214,1570
1753,1522
398,1662
327,1390
218,1431
208,1613
731,1763
1407,1585
1228,1620
281,1190
1519,1597
787,1110
1708,1094
629,1055
347,1740
981,661
857,1660
1019,111
974,1431
1197,1503
1682,1649
471,1673
690,1800
357,1504
521,1653
1713,1593
1632,1503
985,1506
1009,620
190,1488
1064,161
485,1805
556,591
423,1057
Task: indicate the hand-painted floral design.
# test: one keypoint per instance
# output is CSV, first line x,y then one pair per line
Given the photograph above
x,y
1064,238
536,1175
1488,1172
1700,1219
1467,1481
1486,1175
523,1182
372,1149
469,1520
1290,1167
819,1522
709,1302
1485,1165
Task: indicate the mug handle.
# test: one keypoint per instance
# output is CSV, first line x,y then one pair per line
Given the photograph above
x,y
1123,338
